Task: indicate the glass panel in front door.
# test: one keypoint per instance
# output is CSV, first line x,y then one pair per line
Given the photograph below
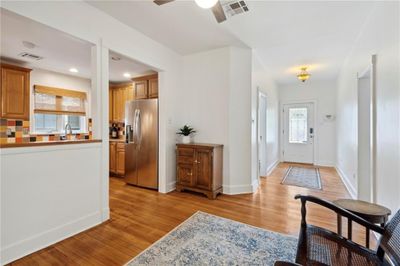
x,y
298,125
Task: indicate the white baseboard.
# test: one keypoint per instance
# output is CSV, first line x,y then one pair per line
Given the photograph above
x,y
326,163
105,215
346,182
27,246
255,185
237,189
272,167
171,186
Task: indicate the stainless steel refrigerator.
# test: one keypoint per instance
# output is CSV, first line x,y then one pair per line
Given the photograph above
x,y
141,151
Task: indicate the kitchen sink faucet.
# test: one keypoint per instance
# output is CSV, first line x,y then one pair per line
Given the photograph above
x,y
68,126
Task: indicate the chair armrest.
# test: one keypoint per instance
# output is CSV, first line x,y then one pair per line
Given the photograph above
x,y
338,210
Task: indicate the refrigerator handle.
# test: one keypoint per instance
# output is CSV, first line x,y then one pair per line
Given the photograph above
x,y
139,128
135,127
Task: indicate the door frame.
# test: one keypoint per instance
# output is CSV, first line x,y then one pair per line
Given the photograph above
x,y
281,127
264,95
369,71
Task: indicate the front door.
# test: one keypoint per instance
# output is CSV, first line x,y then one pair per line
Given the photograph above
x,y
298,133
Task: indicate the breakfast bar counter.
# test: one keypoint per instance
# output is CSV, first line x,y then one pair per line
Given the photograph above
x,y
48,143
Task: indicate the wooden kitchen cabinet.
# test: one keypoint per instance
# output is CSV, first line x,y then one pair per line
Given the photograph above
x,y
14,92
120,94
146,87
141,90
120,159
199,168
117,158
153,88
112,157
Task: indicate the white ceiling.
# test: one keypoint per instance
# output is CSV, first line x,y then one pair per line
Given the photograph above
x,y
180,25
126,65
60,51
284,35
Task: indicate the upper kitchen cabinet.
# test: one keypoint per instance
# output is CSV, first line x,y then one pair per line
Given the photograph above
x,y
153,88
141,89
146,87
120,94
14,92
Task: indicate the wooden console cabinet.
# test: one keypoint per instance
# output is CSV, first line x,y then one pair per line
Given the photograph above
x,y
199,168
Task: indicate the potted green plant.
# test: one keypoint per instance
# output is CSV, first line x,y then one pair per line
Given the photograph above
x,y
186,131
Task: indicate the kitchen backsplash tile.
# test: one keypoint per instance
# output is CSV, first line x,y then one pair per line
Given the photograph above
x,y
17,131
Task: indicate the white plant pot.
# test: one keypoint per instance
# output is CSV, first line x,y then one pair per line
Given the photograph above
x,y
185,139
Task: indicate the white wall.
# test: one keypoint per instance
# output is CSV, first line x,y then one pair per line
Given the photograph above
x,y
324,93
380,36
262,82
205,92
53,79
215,99
47,193
96,27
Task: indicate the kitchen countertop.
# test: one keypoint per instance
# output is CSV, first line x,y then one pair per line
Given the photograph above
x,y
48,143
117,140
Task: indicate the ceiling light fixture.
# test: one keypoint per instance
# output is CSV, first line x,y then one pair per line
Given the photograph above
x,y
73,70
127,75
303,75
206,3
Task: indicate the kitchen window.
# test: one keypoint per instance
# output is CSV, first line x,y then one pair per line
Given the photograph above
x,y
55,108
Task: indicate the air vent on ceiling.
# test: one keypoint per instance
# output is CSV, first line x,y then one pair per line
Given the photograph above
x,y
30,56
232,8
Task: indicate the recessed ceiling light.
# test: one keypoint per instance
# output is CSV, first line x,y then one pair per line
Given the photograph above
x,y
73,70
127,75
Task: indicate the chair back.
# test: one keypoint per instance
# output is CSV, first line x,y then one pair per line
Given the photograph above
x,y
390,241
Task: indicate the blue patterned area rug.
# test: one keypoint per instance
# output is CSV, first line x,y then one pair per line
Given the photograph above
x,y
206,239
303,177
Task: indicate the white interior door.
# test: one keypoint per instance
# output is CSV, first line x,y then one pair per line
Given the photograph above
x,y
262,134
298,133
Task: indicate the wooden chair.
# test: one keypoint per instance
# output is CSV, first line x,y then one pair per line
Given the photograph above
x,y
319,246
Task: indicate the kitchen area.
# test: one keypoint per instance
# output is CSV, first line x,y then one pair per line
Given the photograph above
x,y
133,122
52,183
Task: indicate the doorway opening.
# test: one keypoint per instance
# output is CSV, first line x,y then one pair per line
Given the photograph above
x,y
262,134
366,134
133,122
298,133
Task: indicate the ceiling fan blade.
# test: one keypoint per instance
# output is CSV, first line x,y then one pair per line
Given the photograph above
x,y
218,12
161,2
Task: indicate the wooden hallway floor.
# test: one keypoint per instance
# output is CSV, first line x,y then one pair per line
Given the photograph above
x,y
139,217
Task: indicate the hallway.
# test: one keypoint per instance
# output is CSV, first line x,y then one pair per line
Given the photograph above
x,y
139,217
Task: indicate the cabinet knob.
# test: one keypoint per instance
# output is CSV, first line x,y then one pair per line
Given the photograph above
x,y
190,173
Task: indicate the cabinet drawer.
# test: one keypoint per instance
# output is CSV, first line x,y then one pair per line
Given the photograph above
x,y
185,159
186,152
120,146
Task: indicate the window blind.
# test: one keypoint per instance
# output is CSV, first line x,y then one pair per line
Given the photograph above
x,y
49,100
